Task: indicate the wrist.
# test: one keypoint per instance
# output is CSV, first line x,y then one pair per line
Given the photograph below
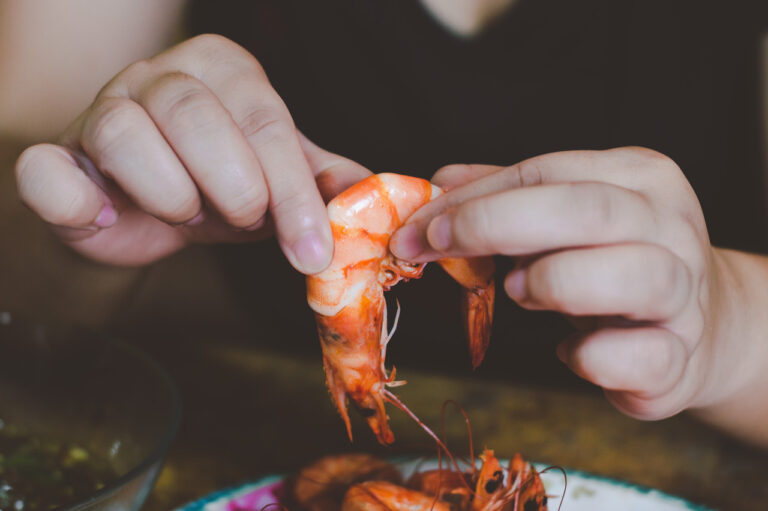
x,y
735,377
728,329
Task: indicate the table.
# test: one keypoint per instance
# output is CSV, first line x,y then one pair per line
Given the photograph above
x,y
249,412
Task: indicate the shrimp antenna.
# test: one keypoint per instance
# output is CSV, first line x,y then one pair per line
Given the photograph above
x,y
469,430
565,481
395,401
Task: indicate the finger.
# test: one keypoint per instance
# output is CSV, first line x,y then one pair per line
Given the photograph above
x,y
126,146
333,173
454,176
634,280
210,145
647,362
538,219
299,213
239,82
50,183
629,168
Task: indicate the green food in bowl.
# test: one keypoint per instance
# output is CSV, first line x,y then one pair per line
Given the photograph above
x,y
39,473
84,406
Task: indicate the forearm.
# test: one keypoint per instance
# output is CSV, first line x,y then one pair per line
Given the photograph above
x,y
55,55
735,398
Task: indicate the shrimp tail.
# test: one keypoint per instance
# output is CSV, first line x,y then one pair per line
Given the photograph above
x,y
477,311
475,274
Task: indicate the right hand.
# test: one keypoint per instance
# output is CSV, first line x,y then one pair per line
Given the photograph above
x,y
192,145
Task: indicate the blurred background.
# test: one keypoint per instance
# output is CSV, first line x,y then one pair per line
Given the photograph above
x,y
395,87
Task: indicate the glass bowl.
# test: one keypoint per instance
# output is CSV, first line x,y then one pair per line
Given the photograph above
x,y
77,386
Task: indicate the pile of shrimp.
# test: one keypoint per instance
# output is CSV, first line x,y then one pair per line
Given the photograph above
x,y
361,482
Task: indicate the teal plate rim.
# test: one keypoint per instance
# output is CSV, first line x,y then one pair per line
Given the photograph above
x,y
199,504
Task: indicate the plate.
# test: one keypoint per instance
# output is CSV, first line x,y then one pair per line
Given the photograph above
x,y
585,492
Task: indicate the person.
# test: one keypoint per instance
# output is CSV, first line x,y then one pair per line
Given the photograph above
x,y
204,142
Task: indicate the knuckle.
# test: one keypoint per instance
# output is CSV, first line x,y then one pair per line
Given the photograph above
x,y
263,126
180,209
169,85
215,49
180,99
525,173
140,67
134,71
246,208
111,121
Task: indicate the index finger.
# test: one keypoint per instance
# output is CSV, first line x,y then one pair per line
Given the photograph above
x,y
410,241
301,220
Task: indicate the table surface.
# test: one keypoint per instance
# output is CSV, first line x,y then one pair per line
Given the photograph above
x,y
249,412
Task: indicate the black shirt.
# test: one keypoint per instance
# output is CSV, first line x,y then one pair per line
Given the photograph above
x,y
381,82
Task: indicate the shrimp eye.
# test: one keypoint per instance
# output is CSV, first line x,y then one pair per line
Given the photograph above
x,y
531,506
493,485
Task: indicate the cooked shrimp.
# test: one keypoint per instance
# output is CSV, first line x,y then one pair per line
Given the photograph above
x,y
384,496
348,297
519,488
321,486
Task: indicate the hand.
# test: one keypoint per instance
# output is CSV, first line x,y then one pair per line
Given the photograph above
x,y
190,145
615,239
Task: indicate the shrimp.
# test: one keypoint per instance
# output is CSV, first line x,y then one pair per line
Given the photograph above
x,y
519,488
348,297
322,485
385,496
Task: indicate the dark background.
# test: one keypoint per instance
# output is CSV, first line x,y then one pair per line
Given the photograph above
x,y
383,83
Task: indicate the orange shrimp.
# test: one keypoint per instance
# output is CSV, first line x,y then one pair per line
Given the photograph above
x,y
321,486
385,496
438,490
348,297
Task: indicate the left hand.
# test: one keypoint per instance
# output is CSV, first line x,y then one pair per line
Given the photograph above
x,y
615,237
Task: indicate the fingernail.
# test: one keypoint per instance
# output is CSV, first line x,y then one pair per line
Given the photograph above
x,y
407,242
515,284
439,233
196,220
107,217
311,251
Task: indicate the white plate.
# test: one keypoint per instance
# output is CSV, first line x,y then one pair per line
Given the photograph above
x,y
585,492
